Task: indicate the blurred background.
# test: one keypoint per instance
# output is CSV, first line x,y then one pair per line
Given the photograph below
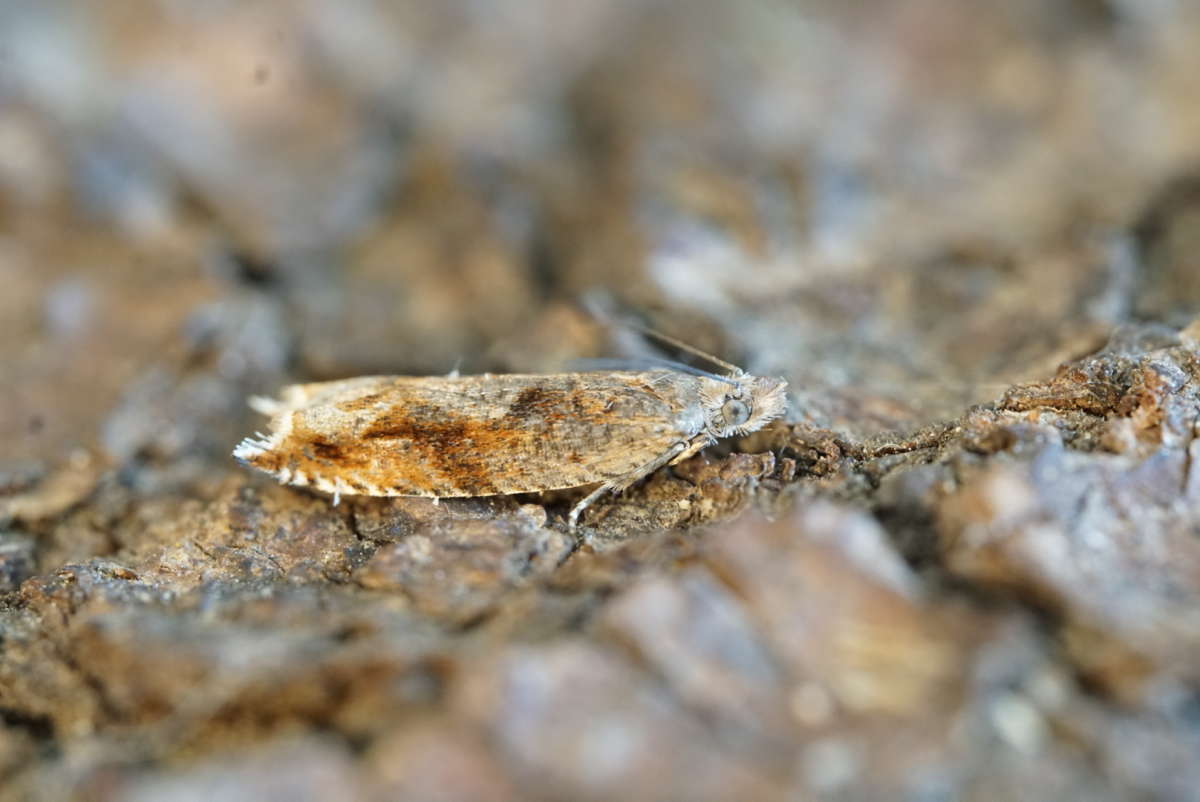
x,y
904,207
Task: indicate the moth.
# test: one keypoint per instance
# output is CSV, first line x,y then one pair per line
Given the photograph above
x,y
461,436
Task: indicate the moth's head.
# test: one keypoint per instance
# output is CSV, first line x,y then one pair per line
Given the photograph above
x,y
748,404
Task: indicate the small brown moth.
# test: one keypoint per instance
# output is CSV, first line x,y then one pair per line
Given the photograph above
x,y
451,436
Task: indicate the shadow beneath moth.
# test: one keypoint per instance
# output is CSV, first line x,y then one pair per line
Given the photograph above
x,y
463,436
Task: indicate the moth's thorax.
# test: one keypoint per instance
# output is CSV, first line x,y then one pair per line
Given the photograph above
x,y
692,417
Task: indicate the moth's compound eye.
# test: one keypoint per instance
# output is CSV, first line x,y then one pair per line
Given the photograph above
x,y
735,412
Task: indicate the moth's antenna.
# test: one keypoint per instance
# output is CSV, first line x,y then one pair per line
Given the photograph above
x,y
599,305
690,349
646,362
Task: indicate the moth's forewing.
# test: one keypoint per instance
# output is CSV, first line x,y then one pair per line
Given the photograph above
x,y
472,435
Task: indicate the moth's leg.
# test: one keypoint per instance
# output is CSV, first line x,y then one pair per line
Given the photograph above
x,y
700,442
675,454
622,482
586,502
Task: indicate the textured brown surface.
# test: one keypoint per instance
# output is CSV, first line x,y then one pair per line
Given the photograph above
x,y
966,565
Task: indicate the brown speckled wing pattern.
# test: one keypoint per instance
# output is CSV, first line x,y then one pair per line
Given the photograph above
x,y
471,435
